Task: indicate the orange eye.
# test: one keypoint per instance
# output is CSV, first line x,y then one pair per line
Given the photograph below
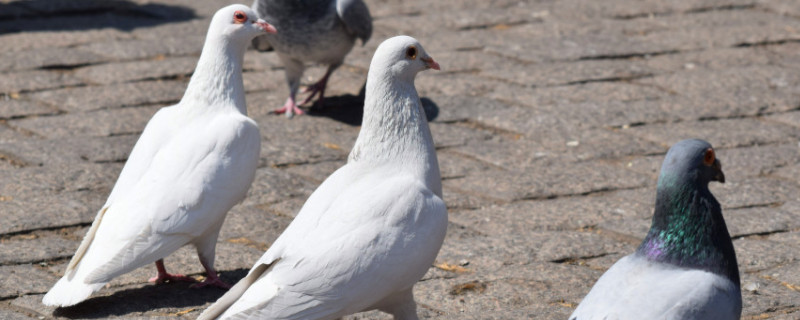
x,y
411,52
708,158
239,17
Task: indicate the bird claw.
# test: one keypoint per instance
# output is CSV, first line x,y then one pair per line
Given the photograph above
x,y
316,89
289,109
164,278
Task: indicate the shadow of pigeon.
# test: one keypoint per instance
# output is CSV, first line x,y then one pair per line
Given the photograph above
x,y
148,298
349,109
46,15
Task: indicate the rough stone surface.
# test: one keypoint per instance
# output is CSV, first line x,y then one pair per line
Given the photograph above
x,y
551,119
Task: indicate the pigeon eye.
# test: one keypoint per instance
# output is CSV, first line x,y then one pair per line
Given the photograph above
x,y
411,52
239,17
708,158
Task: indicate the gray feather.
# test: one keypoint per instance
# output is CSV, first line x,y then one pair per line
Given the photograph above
x,y
356,17
312,32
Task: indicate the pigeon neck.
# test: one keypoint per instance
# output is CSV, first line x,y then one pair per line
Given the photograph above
x,y
394,129
217,80
688,229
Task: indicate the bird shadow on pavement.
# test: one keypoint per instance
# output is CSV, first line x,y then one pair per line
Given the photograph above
x,y
149,298
46,15
349,108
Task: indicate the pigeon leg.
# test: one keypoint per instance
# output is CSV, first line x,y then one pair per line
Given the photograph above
x,y
401,306
211,278
294,71
163,276
290,108
319,87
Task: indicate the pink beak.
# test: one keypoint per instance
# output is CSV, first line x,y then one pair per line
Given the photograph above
x,y
431,64
268,28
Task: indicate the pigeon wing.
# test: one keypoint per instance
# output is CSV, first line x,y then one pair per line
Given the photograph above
x,y
139,160
355,16
184,193
349,258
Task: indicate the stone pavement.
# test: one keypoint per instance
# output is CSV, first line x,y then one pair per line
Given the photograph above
x,y
551,119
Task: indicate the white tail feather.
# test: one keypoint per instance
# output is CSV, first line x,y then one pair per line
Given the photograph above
x,y
228,303
69,292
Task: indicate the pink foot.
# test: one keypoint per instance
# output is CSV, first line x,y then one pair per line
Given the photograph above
x,y
166,277
289,108
163,276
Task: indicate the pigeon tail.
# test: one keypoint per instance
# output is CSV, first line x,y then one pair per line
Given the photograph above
x,y
232,303
68,292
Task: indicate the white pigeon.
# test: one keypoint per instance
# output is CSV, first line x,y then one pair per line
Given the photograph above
x,y
193,162
686,266
312,31
373,228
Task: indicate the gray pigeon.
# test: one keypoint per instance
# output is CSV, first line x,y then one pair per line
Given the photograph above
x,y
312,31
686,266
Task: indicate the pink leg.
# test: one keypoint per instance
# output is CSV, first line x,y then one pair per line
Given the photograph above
x,y
289,108
163,276
317,88
211,279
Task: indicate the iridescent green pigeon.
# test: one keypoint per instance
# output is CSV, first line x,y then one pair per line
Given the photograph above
x,y
686,266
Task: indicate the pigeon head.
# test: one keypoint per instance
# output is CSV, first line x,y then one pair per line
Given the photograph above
x,y
690,161
239,23
402,57
688,229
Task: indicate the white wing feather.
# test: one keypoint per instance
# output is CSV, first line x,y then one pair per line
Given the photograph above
x,y
349,248
186,185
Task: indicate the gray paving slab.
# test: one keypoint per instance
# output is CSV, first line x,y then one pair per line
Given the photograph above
x,y
718,132
16,108
771,299
36,248
791,118
91,98
70,150
539,183
755,255
157,68
623,10
53,58
11,315
787,8
133,48
761,220
569,213
30,41
34,209
100,123
36,80
23,279
759,89
759,160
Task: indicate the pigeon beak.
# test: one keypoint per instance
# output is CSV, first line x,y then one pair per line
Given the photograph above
x,y
430,63
268,28
718,174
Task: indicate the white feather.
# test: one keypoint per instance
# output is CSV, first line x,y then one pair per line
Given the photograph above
x,y
193,162
370,231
